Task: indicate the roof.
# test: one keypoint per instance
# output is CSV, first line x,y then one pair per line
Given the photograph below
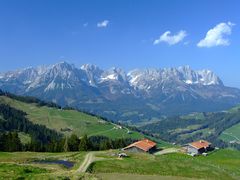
x,y
144,145
200,144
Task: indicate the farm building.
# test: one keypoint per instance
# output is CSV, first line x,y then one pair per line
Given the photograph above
x,y
199,147
144,145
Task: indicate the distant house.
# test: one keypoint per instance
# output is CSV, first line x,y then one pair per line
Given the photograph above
x,y
144,145
199,147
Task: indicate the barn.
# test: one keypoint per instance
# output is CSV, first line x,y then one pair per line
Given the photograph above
x,y
199,147
144,145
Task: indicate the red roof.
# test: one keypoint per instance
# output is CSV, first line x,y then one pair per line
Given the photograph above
x,y
200,144
144,144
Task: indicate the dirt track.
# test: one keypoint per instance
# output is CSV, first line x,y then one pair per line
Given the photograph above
x,y
89,158
167,151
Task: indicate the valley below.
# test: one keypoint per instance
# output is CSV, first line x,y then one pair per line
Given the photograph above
x,y
170,162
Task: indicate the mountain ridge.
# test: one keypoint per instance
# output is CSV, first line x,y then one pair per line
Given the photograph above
x,y
158,91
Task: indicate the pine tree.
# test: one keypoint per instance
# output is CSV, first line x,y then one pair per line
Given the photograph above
x,y
103,145
73,142
17,146
65,148
83,146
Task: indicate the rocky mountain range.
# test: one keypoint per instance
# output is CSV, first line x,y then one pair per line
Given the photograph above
x,y
134,96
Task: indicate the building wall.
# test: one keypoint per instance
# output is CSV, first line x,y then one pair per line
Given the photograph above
x,y
191,149
134,150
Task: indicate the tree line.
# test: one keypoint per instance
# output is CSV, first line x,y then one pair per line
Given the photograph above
x,y
10,142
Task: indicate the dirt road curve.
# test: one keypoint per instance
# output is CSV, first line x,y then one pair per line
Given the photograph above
x,y
167,151
86,163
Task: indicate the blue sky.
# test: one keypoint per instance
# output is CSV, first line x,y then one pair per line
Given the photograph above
x,y
122,33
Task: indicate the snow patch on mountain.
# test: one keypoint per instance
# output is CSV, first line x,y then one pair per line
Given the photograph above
x,y
64,75
110,77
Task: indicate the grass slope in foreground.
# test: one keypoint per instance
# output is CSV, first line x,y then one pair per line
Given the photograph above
x,y
23,165
222,164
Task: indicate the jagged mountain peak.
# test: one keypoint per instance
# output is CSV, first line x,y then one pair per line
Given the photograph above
x,y
114,74
137,77
93,73
148,78
89,67
185,67
63,65
150,90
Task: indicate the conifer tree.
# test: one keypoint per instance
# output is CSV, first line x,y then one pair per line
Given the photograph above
x,y
83,146
65,148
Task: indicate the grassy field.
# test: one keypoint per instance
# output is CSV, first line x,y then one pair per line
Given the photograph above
x,y
77,122
223,164
231,134
117,176
21,165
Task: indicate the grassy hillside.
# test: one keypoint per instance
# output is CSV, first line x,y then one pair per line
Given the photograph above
x,y
69,121
232,134
72,121
223,164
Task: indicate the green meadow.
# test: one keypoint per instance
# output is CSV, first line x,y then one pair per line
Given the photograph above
x,y
23,165
231,134
222,164
74,121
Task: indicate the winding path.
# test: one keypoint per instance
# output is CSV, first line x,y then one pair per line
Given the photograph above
x,y
89,158
167,151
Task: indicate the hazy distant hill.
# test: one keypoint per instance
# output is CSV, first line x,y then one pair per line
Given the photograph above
x,y
213,126
139,95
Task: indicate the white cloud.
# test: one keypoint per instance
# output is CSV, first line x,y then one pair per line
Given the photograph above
x,y
171,39
103,24
217,36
